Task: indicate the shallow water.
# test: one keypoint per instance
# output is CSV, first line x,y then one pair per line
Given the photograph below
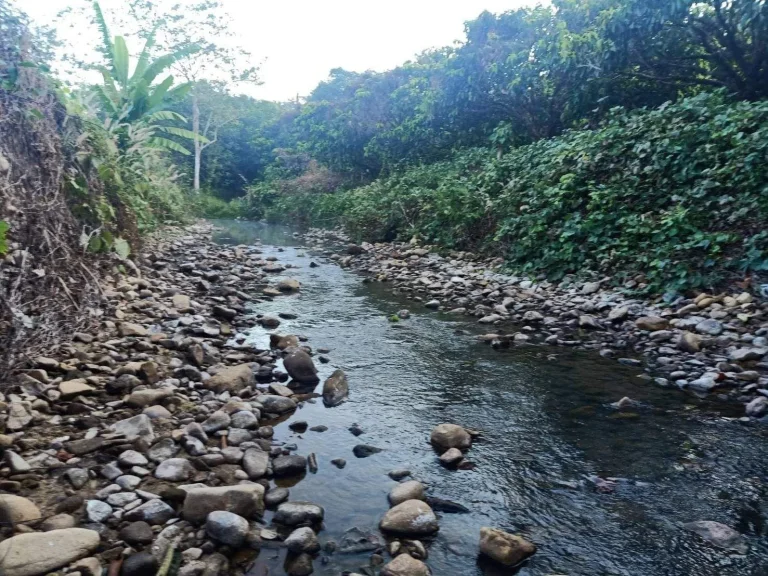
x,y
547,428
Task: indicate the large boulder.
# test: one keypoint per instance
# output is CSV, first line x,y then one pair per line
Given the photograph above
x,y
503,547
405,565
245,500
232,379
410,518
335,389
300,367
41,552
445,436
19,509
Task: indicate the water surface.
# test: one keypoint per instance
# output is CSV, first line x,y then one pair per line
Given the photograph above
x,y
547,430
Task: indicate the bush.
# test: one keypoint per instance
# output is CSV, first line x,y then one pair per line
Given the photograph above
x,y
678,194
206,205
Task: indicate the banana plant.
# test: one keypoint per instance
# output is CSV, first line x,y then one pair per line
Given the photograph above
x,y
135,99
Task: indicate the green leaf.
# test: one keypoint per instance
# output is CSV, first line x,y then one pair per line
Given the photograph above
x,y
184,133
121,247
160,143
4,227
120,60
156,98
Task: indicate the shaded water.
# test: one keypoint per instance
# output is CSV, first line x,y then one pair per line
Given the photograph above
x,y
546,430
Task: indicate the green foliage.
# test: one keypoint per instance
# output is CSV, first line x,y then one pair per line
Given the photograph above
x,y
676,193
206,205
4,227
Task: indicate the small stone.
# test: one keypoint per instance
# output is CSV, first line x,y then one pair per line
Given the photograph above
x,y
153,511
137,533
411,490
175,470
652,323
405,565
97,511
410,518
445,436
296,513
302,540
227,528
505,548
364,450
132,458
140,564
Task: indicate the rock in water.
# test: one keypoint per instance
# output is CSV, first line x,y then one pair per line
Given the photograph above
x,y
411,518
411,490
503,547
335,389
293,465
41,552
300,367
405,565
718,534
245,500
364,450
232,379
295,513
227,528
445,436
302,540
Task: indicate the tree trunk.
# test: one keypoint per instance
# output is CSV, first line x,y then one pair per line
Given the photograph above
x,y
198,144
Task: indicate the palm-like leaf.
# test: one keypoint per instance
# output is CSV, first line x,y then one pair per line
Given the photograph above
x,y
106,37
141,65
166,144
184,133
158,94
120,61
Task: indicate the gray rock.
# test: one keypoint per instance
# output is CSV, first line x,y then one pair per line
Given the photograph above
x,y
97,511
153,511
19,465
411,490
18,417
255,463
19,509
58,522
298,565
275,496
364,450
277,404
132,458
246,500
296,513
302,540
140,564
718,534
148,397
405,565
710,327
747,354
38,553
227,528
216,421
292,465
243,419
300,367
175,470
232,379
163,450
757,407
137,533
335,389
136,427
121,499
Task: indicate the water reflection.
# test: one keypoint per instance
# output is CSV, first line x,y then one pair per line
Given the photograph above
x,y
547,428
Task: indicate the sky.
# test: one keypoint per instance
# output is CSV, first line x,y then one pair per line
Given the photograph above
x,y
298,42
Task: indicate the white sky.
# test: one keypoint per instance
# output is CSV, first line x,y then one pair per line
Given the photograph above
x,y
302,40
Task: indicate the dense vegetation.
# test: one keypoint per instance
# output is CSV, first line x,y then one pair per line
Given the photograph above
x,y
605,135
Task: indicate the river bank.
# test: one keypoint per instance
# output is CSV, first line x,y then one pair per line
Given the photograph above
x,y
82,416
711,344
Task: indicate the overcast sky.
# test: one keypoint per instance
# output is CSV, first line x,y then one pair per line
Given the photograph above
x,y
302,40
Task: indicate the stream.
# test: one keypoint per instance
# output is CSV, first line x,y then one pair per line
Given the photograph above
x,y
548,432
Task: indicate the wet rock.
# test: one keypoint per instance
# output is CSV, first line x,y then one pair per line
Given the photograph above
x,y
175,470
227,528
356,430
300,367
255,463
299,426
293,465
288,285
136,427
246,500
433,304
245,420
41,552
411,490
137,533
757,407
276,496
19,509
365,450
339,463
410,518
153,511
232,379
451,457
298,565
447,506
405,565
140,564
335,389
355,540
297,513
445,436
652,323
505,548
302,540
718,534
277,404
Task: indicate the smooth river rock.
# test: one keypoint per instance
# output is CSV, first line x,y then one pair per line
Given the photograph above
x,y
227,528
405,565
40,552
245,500
300,367
445,436
503,547
232,379
296,513
335,389
19,509
410,518
411,490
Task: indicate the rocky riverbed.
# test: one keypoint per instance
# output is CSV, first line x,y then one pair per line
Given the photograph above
x,y
147,445
711,344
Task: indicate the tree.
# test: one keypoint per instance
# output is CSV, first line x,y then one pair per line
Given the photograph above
x,y
204,25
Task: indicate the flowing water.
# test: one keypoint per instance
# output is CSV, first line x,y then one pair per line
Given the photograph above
x,y
547,429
